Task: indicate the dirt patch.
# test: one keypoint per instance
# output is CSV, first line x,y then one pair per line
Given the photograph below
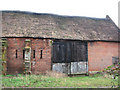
x,y
55,74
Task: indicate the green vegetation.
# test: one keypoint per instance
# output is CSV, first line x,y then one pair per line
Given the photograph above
x,y
93,81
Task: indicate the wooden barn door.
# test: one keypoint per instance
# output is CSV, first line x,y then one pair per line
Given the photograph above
x,y
69,57
58,57
79,63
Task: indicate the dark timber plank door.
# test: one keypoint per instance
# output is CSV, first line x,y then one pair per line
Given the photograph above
x,y
59,50
79,63
59,57
70,57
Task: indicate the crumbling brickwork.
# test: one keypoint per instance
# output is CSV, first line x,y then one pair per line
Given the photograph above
x,y
16,46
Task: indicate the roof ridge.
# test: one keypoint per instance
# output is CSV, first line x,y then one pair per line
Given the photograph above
x,y
35,13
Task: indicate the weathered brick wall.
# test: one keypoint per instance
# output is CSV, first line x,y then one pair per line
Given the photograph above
x,y
16,64
100,54
41,64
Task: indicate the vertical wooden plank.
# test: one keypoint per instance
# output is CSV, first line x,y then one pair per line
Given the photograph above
x,y
62,53
72,49
57,52
68,52
65,52
75,52
78,52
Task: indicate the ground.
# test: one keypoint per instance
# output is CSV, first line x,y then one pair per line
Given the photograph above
x,y
92,81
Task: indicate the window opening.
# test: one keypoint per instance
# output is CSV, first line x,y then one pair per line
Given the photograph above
x,y
16,53
23,54
41,54
33,53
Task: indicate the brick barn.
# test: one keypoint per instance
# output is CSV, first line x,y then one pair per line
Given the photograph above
x,y
36,43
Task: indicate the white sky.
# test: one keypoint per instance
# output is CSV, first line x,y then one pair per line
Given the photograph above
x,y
89,8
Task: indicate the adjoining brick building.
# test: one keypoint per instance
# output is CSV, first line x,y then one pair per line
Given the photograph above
x,y
69,44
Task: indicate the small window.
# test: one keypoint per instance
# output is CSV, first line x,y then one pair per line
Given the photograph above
x,y
33,53
16,53
23,54
41,51
115,60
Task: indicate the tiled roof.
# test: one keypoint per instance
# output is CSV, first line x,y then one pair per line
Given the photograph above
x,y
26,24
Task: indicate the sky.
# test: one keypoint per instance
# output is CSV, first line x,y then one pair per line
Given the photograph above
x,y
88,8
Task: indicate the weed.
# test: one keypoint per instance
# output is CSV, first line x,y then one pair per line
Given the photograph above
x,y
53,80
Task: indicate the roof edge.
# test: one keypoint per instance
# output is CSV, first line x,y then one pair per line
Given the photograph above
x,y
36,13
108,17
65,39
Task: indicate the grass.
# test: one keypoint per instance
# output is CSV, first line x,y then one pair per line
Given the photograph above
x,y
49,81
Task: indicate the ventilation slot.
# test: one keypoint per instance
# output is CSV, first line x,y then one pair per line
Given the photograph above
x,y
23,54
16,53
41,54
33,53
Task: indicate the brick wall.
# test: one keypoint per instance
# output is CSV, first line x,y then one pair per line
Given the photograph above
x,y
41,64
100,54
16,64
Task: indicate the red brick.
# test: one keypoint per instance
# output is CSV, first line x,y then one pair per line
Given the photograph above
x,y
16,64
100,54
